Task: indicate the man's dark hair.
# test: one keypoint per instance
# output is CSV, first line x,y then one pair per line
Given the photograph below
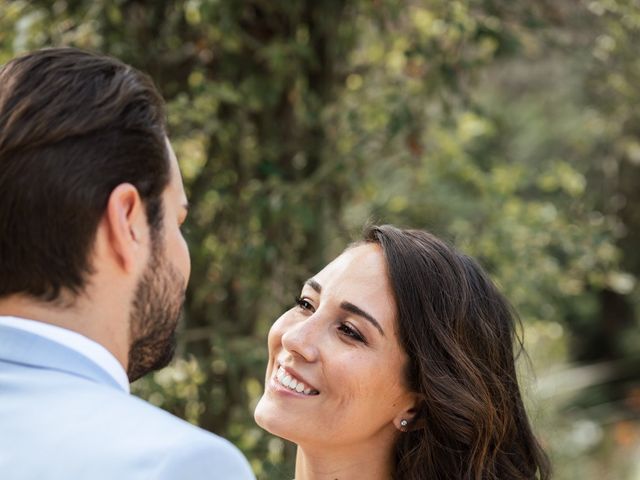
x,y
73,126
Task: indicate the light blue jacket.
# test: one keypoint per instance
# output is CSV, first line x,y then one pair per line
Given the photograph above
x,y
62,417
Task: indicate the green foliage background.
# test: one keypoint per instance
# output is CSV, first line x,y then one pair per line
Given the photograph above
x,y
511,128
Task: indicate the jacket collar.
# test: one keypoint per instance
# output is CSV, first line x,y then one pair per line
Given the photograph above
x,y
25,348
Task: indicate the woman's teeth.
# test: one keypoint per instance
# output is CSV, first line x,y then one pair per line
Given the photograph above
x,y
291,383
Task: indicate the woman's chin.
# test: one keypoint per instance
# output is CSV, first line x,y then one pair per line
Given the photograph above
x,y
265,415
275,421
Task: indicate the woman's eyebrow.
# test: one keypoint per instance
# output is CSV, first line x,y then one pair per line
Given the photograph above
x,y
350,307
315,285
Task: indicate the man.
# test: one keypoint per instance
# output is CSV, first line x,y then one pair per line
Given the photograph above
x,y
93,269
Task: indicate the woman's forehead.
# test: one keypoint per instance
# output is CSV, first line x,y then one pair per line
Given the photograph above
x,y
364,260
359,275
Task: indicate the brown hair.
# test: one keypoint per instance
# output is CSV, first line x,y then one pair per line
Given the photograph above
x,y
73,126
458,332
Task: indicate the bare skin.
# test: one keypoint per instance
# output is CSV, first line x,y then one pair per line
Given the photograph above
x,y
362,461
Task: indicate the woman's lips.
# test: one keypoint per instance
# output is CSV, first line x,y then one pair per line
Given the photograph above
x,y
292,381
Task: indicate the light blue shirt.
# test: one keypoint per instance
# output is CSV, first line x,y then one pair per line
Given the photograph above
x,y
64,415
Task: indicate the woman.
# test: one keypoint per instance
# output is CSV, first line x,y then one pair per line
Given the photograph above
x,y
397,362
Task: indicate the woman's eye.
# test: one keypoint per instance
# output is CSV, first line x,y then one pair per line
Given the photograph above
x,y
304,304
351,332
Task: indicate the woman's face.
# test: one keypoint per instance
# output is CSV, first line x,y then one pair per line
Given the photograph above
x,y
336,369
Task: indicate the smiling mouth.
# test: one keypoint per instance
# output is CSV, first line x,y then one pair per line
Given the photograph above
x,y
288,381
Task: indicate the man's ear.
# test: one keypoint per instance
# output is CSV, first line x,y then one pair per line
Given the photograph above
x,y
126,223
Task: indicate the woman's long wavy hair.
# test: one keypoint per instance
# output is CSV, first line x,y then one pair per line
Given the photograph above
x,y
459,334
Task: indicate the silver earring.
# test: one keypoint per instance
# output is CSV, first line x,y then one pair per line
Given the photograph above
x,y
403,424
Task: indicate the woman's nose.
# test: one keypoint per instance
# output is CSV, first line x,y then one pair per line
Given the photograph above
x,y
302,339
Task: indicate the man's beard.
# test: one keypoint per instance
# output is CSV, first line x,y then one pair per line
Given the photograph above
x,y
156,311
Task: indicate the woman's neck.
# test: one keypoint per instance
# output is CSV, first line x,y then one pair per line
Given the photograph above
x,y
354,463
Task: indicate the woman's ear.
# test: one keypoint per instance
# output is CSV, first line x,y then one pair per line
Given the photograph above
x,y
412,417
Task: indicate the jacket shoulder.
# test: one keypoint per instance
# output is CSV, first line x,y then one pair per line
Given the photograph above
x,y
49,418
175,448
